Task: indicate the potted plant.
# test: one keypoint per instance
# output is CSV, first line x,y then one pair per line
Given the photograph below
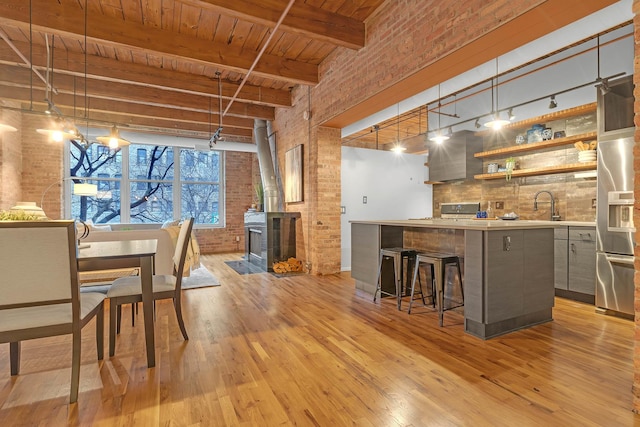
x,y
259,189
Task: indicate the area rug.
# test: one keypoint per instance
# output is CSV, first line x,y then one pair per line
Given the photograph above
x,y
199,278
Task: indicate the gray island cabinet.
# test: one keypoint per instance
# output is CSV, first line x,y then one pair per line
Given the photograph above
x,y
508,266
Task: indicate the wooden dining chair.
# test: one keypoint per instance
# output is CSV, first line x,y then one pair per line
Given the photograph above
x,y
39,290
128,289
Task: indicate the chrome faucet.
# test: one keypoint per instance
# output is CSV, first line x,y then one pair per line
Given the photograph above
x,y
554,217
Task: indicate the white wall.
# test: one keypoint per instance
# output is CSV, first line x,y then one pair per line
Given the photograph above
x,y
392,183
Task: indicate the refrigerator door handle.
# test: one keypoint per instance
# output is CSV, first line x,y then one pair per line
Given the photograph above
x,y
620,259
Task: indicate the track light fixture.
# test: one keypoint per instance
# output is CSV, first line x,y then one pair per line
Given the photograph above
x,y
511,115
216,136
604,87
478,125
552,102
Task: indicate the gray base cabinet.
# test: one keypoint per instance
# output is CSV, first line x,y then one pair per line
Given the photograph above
x,y
582,260
511,283
366,241
575,263
561,258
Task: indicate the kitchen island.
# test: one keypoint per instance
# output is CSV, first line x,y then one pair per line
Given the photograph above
x,y
508,265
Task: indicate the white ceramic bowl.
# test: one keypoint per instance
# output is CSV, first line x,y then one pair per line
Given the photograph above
x,y
587,156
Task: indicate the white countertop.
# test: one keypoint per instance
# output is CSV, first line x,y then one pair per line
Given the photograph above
x,y
477,224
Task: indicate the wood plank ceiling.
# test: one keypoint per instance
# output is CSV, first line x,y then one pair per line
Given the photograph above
x,y
152,65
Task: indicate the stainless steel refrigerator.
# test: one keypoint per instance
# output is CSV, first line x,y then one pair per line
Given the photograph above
x,y
614,216
614,226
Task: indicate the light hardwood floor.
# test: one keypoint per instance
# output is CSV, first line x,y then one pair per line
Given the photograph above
x,y
311,351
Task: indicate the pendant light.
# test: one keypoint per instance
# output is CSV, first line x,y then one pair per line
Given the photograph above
x,y
58,130
114,140
439,137
496,122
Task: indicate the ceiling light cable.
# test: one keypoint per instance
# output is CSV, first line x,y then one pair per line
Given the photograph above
x,y
439,137
496,122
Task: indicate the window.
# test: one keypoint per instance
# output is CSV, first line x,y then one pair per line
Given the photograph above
x,y
142,156
200,185
146,177
103,185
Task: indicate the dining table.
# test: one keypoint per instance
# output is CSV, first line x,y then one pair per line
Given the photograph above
x,y
107,255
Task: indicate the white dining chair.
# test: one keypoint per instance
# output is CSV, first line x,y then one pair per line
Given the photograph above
x,y
128,289
39,290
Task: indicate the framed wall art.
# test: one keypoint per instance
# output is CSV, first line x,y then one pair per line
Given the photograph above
x,y
293,171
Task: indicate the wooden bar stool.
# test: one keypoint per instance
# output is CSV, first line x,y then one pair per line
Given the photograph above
x,y
438,263
399,255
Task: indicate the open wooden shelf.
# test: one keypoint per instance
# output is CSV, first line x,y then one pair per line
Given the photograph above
x,y
571,167
523,148
570,112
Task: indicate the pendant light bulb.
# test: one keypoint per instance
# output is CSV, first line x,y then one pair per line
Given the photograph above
x,y
57,136
439,138
7,128
114,140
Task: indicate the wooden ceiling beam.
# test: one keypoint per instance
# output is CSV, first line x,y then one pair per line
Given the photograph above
x,y
106,113
123,92
304,19
108,69
64,19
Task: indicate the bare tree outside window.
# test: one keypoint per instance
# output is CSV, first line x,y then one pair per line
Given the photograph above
x,y
150,182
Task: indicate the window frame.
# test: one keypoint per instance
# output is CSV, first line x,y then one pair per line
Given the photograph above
x,y
124,182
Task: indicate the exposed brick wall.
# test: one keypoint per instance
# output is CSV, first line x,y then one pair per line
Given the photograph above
x,y
290,130
636,210
42,166
326,226
10,160
317,232
239,172
402,38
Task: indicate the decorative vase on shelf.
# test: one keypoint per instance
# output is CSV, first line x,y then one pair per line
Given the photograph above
x,y
510,165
